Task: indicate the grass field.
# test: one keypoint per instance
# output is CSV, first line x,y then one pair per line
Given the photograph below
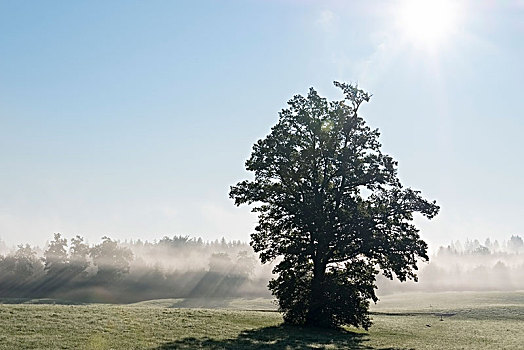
x,y
407,321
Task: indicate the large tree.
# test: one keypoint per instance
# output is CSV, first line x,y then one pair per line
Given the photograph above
x,y
331,211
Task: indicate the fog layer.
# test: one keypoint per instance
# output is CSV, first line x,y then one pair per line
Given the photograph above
x,y
183,267
470,265
122,272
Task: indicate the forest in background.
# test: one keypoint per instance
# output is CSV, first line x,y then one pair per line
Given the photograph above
x,y
468,266
184,267
130,271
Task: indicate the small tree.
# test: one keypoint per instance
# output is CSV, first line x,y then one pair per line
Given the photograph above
x,y
55,256
78,256
332,209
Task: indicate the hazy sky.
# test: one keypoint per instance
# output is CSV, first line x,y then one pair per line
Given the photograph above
x,y
132,118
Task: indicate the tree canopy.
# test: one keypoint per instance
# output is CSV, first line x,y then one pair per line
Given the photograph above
x,y
331,210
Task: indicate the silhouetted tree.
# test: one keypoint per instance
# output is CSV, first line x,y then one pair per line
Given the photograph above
x,y
331,207
245,263
515,244
19,270
111,260
78,256
55,256
27,263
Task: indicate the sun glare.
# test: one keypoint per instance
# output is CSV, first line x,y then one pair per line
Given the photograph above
x,y
428,23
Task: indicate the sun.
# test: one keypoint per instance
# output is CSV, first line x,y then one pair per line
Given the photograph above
x,y
428,23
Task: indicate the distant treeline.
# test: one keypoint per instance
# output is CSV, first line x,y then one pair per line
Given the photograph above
x,y
469,266
184,267
515,245
121,272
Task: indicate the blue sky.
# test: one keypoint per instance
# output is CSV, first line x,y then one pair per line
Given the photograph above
x,y
132,118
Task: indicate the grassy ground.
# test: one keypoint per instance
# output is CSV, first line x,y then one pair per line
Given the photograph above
x,y
408,321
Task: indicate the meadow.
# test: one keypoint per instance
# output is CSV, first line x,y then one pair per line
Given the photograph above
x,y
470,320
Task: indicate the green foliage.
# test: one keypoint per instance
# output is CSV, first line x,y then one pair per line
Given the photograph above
x,y
332,209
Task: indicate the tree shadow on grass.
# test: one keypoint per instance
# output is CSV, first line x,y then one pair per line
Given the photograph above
x,y
279,337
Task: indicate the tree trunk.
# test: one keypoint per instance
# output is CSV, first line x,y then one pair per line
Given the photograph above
x,y
316,315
